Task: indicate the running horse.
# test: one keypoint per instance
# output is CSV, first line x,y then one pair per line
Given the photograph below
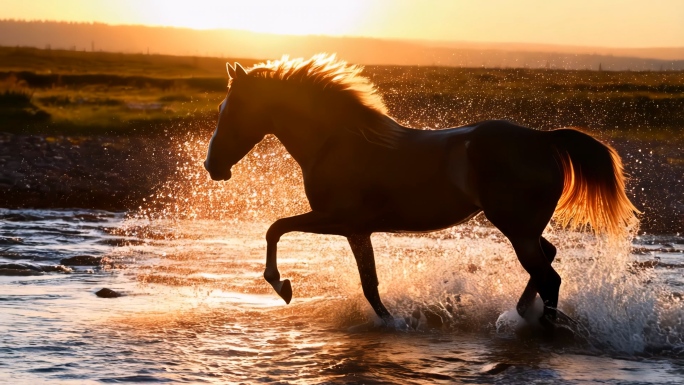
x,y
365,173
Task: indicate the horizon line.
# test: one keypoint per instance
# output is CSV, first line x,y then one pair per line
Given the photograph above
x,y
438,41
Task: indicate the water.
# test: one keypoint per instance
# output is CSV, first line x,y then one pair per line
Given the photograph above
x,y
196,308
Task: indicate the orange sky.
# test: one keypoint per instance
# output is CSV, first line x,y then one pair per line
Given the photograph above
x,y
608,23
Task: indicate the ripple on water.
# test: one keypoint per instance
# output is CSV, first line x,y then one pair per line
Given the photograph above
x,y
199,311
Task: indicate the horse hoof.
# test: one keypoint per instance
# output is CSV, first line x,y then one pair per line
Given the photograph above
x,y
285,291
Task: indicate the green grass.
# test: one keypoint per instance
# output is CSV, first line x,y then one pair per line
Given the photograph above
x,y
78,62
92,92
539,98
16,107
114,106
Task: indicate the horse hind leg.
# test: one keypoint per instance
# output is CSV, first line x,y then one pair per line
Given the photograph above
x,y
544,278
530,293
523,225
519,187
534,256
363,253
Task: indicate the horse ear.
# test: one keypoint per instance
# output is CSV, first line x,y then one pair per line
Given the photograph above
x,y
239,70
231,71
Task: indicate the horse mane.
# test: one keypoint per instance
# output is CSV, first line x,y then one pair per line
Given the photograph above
x,y
348,99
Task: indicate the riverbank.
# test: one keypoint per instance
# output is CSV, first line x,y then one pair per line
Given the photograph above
x,y
96,172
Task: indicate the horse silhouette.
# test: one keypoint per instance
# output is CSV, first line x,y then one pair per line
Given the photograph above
x,y
365,173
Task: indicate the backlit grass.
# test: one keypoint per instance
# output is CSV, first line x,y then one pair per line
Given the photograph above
x,y
93,91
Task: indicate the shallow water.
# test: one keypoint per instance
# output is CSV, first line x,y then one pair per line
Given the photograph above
x,y
196,309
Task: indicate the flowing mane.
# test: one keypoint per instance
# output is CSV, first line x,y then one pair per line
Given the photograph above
x,y
341,89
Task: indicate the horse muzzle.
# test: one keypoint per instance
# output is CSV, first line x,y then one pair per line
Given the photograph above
x,y
224,174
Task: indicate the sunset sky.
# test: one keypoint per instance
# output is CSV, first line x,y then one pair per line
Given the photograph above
x,y
608,23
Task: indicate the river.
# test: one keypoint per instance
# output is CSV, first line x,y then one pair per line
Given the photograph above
x,y
197,310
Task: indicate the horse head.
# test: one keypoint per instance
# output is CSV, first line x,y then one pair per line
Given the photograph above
x,y
242,123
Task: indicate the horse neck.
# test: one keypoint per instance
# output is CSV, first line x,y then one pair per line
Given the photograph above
x,y
301,132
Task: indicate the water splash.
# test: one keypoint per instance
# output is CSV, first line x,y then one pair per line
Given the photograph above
x,y
209,236
267,183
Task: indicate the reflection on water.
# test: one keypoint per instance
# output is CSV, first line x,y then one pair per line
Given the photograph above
x,y
196,308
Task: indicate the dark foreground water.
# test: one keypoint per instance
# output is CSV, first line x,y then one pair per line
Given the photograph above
x,y
196,309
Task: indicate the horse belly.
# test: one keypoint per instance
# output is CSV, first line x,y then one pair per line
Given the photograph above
x,y
432,209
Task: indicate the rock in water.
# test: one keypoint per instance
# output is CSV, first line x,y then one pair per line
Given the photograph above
x,y
20,269
82,260
108,293
26,269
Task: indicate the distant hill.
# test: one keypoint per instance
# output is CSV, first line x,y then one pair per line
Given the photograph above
x,y
232,43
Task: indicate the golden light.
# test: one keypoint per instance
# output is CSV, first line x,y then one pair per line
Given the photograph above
x,y
609,23
299,17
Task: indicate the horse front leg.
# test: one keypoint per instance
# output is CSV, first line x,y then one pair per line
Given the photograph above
x,y
311,222
272,275
365,260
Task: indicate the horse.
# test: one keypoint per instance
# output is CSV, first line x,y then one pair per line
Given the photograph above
x,y
364,172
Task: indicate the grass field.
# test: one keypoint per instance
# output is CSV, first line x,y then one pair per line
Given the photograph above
x,y
94,92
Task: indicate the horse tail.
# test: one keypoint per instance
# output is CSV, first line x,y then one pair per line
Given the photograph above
x,y
594,185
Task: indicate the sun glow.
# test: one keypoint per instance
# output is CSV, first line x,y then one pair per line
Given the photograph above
x,y
298,17
608,23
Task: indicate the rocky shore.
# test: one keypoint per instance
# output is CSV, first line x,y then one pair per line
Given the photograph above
x,y
117,172
111,173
